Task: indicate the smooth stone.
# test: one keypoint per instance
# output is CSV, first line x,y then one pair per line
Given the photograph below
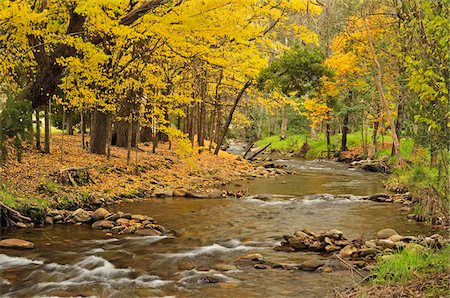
x,y
148,232
103,224
123,222
331,248
262,266
368,251
400,244
126,215
113,217
179,192
252,257
311,265
139,217
370,244
335,234
99,214
48,220
14,243
386,233
396,238
348,251
21,225
224,267
81,215
386,243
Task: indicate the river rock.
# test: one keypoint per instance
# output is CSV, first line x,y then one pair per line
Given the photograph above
x,y
48,220
386,233
370,244
368,252
263,197
148,232
14,243
103,224
224,267
252,257
126,215
203,279
179,192
123,222
21,225
311,265
113,217
396,238
310,233
386,243
400,244
99,214
160,193
335,234
81,215
139,217
348,250
332,248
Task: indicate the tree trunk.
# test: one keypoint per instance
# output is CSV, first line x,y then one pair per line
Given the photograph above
x,y
284,122
38,130
108,136
146,134
129,138
399,121
98,132
272,124
69,122
230,117
373,147
47,128
379,84
83,129
202,125
344,133
328,140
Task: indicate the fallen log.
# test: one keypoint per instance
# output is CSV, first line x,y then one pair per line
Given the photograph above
x,y
260,151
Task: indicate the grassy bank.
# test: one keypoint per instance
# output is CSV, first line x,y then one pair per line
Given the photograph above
x,y
318,146
409,273
32,186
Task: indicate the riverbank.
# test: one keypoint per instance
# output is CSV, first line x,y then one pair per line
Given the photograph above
x,y
76,178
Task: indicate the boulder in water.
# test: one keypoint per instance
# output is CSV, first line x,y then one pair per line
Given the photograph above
x,y
99,214
103,224
14,243
312,265
386,233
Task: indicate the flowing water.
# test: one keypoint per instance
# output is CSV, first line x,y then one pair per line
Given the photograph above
x,y
78,261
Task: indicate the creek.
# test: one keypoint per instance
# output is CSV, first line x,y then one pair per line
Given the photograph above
x,y
211,234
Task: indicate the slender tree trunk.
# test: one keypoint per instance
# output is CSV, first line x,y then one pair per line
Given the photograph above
x,y
399,121
38,130
69,122
284,122
108,136
129,138
202,125
83,129
373,146
272,124
230,117
47,128
328,139
98,133
344,133
379,84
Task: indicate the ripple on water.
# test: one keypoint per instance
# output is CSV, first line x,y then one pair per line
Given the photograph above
x,y
92,271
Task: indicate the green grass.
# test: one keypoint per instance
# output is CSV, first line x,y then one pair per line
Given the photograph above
x,y
404,265
318,146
